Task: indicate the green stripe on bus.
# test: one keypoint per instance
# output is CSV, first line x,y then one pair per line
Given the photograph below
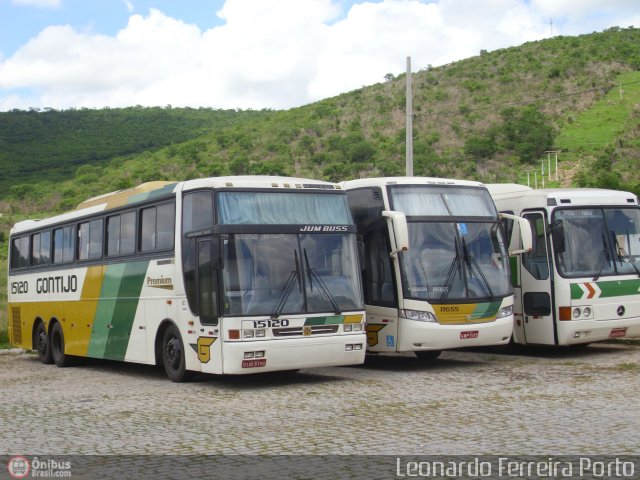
x,y
333,320
113,275
609,288
484,310
125,309
513,264
616,288
576,291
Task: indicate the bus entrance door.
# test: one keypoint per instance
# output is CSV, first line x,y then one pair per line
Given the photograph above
x,y
536,285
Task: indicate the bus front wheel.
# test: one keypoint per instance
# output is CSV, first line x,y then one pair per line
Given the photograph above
x,y
173,355
43,345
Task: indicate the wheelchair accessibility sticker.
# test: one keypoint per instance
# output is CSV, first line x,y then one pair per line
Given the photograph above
x,y
390,341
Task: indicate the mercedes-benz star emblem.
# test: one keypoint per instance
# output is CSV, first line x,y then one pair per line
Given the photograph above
x,y
621,310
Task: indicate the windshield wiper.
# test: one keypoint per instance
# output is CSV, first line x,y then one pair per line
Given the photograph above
x,y
311,274
288,286
602,259
623,254
455,264
472,262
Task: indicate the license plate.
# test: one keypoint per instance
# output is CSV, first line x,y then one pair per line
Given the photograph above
x,y
470,334
617,332
260,362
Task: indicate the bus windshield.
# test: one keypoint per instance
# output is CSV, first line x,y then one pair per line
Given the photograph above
x,y
456,247
455,261
274,274
289,273
597,242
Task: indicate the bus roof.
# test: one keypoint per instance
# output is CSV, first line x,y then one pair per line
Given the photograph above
x,y
385,181
560,196
150,190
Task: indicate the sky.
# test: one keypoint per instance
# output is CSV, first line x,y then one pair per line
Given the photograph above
x,y
255,54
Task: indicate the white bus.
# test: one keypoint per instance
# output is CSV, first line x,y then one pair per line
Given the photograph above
x,y
435,264
581,281
219,275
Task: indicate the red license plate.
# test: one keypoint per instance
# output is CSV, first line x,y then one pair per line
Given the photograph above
x,y
617,332
260,362
471,334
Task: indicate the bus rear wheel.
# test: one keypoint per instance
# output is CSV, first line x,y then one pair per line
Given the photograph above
x,y
173,355
428,354
43,345
57,347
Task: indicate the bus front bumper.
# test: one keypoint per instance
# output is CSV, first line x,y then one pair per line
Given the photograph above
x,y
292,354
416,336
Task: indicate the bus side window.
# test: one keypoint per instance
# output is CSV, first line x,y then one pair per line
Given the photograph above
x,y
197,214
40,248
20,252
157,227
63,244
536,262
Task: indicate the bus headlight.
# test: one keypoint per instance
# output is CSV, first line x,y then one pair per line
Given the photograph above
x,y
581,312
419,316
505,312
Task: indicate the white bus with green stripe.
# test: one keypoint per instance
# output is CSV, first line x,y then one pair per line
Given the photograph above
x,y
229,275
435,268
581,281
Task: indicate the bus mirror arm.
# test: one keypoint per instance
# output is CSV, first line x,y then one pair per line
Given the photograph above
x,y
399,230
526,236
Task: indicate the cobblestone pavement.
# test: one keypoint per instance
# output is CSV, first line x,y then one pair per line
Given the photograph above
x,y
546,402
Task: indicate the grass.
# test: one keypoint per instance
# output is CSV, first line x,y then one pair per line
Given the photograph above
x,y
591,131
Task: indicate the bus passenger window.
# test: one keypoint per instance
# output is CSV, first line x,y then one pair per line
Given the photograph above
x,y
40,245
90,240
157,227
63,245
20,253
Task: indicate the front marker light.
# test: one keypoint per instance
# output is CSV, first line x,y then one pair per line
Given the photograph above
x,y
247,334
358,327
260,333
505,312
419,316
576,313
348,327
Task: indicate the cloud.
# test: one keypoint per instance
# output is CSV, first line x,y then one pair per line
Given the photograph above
x,y
271,54
129,5
38,3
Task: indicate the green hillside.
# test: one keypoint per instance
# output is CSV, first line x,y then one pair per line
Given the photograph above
x,y
53,144
491,117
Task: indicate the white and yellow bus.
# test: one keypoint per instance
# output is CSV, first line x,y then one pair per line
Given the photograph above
x,y
219,275
435,268
581,281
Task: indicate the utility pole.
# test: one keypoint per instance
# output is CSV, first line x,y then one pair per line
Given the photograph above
x,y
409,123
555,152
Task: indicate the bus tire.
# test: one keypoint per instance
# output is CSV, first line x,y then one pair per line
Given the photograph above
x,y
42,342
57,347
428,354
173,355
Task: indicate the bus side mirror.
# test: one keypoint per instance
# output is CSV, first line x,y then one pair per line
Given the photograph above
x,y
399,231
526,236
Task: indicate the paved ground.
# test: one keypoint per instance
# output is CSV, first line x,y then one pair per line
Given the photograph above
x,y
543,402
